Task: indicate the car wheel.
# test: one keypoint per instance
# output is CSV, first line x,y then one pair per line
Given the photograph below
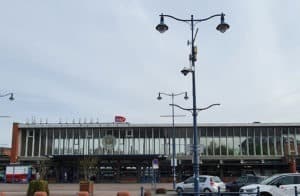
x,y
265,194
207,191
179,190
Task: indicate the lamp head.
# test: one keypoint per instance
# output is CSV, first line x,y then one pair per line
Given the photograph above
x,y
186,70
186,96
162,27
222,27
11,97
159,97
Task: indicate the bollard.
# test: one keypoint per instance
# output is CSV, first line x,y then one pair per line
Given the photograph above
x,y
219,191
142,191
123,193
258,191
296,192
40,193
147,193
83,193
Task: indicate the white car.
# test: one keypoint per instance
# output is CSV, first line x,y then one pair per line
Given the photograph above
x,y
276,185
206,184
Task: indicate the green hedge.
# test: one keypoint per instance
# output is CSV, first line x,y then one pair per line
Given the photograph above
x,y
37,185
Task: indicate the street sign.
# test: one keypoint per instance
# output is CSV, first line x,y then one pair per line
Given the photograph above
x,y
155,164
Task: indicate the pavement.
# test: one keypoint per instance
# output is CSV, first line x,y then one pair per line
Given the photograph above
x,y
99,189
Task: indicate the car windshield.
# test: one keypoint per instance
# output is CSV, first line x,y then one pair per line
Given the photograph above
x,y
241,179
216,179
189,180
269,179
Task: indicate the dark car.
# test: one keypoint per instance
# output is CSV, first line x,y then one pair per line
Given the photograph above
x,y
242,181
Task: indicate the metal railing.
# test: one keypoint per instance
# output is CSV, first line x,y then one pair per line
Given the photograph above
x,y
219,193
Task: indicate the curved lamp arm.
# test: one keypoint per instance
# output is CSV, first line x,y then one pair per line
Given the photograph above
x,y
215,104
9,94
189,20
187,109
172,94
198,109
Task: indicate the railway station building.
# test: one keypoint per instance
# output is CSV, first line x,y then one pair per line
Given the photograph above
x,y
124,152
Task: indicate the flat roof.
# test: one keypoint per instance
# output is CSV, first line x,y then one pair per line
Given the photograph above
x,y
116,125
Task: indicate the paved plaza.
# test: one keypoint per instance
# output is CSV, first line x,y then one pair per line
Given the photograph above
x,y
72,189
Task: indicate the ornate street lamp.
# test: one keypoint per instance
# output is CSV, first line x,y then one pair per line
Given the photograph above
x,y
173,127
222,27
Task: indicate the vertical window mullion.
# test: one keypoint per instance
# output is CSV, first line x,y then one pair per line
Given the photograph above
x,y
268,141
288,140
33,142
295,141
26,144
227,141
247,141
46,142
281,142
213,141
40,142
275,141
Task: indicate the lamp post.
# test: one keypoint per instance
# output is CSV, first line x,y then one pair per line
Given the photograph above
x,y
172,95
222,27
11,96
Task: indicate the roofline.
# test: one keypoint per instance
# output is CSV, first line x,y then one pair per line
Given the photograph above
x,y
77,125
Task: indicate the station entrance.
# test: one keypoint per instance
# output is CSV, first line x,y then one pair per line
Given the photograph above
x,y
110,169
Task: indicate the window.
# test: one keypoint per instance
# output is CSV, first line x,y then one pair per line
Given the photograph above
x,y
216,179
252,179
189,180
129,133
30,134
284,180
297,179
241,179
202,179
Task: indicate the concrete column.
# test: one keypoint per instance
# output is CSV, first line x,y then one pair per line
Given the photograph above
x,y
15,143
292,165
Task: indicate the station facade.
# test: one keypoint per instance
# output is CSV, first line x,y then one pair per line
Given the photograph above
x,y
124,152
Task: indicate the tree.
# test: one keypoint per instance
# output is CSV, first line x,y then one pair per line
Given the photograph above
x,y
88,164
42,169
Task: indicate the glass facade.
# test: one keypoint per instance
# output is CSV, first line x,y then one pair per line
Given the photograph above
x,y
232,141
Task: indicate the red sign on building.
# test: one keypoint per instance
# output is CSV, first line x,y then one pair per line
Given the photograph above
x,y
120,119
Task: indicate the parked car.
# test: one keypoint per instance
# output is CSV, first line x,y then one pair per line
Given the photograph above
x,y
206,184
276,185
235,185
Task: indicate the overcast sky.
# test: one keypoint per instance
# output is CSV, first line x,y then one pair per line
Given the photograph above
x,y
96,59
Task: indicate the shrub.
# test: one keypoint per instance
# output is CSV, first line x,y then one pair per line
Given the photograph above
x,y
161,191
37,185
